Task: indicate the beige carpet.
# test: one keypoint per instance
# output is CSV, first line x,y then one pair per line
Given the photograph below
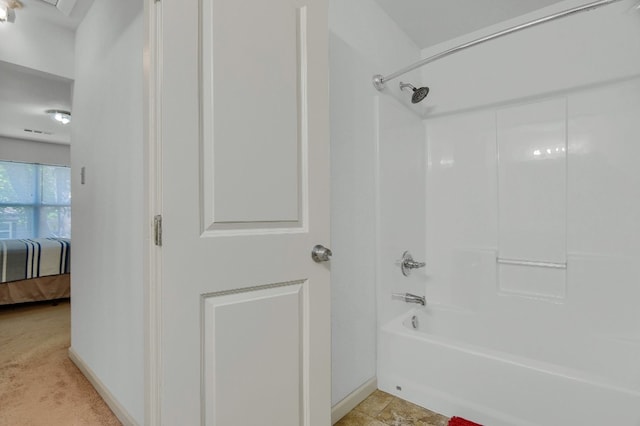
x,y
39,385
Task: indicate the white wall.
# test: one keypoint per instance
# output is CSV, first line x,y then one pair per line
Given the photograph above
x,y
364,42
107,139
35,43
352,225
27,151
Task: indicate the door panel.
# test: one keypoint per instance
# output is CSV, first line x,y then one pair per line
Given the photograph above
x,y
254,111
240,350
245,177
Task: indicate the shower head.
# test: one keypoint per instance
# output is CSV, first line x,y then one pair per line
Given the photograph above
x,y
418,94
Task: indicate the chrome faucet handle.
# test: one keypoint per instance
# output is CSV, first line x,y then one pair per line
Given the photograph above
x,y
407,264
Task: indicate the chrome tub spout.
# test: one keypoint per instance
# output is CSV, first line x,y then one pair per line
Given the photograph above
x,y
409,298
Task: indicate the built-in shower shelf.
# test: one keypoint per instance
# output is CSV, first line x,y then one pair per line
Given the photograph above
x,y
533,263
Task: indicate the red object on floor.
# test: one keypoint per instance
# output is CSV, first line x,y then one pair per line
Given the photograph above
x,y
459,421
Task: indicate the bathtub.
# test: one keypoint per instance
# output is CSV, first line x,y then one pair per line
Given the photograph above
x,y
458,363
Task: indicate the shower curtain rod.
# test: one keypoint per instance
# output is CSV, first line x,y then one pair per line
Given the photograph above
x,y
380,80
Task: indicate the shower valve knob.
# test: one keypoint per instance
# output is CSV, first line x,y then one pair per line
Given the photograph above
x,y
407,264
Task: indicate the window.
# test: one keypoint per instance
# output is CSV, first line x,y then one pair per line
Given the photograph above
x,y
35,201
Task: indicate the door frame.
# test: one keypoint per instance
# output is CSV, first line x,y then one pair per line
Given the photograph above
x,y
152,279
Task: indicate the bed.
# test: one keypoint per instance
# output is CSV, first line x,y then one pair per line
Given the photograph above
x,y
34,269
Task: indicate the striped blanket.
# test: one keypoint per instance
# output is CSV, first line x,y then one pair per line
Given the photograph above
x,y
38,257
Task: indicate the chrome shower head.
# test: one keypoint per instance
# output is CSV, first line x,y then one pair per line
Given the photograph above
x,y
418,94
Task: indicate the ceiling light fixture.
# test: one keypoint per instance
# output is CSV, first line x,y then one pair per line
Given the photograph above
x,y
7,10
60,116
6,14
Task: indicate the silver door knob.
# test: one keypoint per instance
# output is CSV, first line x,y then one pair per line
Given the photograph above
x,y
320,253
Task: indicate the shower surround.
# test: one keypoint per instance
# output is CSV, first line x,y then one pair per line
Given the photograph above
x,y
531,218
517,181
532,285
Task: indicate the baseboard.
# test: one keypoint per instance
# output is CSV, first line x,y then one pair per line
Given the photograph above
x,y
120,412
354,398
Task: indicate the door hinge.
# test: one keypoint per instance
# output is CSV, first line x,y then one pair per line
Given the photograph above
x,y
157,229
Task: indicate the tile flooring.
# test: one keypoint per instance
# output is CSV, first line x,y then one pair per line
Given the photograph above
x,y
383,409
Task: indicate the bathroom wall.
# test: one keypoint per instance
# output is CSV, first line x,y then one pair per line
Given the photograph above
x,y
357,52
532,157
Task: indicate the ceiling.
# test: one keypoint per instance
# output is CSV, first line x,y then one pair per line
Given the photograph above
x,y
430,22
47,11
25,93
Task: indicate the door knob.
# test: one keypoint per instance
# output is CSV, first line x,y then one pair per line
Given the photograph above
x,y
320,253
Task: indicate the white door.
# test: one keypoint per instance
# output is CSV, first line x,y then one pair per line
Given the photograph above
x,y
245,329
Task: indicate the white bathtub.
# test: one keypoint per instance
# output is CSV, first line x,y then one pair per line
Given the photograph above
x,y
458,363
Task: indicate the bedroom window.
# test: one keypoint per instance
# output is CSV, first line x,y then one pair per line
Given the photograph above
x,y
35,201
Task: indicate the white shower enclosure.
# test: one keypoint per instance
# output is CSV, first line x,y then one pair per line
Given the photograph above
x,y
517,181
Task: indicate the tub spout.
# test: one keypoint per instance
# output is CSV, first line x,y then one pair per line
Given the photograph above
x,y
409,298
